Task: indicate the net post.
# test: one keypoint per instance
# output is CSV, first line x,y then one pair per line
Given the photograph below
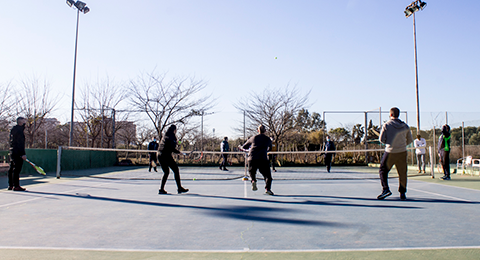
x,y
432,162
245,177
59,159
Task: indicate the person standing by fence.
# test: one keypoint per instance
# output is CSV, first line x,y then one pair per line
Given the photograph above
x,y
224,147
153,145
329,154
444,151
420,152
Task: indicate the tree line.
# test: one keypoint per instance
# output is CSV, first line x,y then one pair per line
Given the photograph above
x,y
128,114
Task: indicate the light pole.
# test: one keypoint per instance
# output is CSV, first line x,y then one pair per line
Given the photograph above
x,y
81,7
409,10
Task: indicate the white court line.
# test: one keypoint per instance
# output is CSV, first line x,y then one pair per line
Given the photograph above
x,y
244,250
438,194
47,196
434,193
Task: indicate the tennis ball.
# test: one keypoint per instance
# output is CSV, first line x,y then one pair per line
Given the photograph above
x,y
194,179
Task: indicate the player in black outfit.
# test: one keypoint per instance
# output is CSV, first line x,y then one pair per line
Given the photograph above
x,y
329,146
153,145
258,159
17,155
168,146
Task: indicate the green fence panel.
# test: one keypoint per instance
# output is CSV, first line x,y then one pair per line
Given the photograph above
x,y
71,159
84,159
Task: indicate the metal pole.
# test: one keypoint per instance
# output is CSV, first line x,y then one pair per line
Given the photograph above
x,y
366,137
446,117
59,160
46,138
73,89
244,128
463,147
416,74
113,128
101,130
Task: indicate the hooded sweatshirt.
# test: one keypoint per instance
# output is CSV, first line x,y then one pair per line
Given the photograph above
x,y
396,135
444,140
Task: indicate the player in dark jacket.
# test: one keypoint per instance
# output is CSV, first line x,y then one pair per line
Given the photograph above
x,y
153,145
329,148
259,146
17,155
224,147
168,145
444,151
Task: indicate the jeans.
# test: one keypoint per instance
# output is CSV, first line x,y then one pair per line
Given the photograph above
x,y
421,162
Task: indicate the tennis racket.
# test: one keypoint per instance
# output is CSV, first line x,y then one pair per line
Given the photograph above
x,y
37,168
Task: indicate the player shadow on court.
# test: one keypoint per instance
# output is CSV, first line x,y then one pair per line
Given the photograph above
x,y
249,213
25,180
311,202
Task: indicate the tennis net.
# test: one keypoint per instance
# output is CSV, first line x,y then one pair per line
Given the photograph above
x,y
132,164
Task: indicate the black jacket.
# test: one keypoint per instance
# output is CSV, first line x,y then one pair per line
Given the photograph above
x,y
259,146
17,141
168,145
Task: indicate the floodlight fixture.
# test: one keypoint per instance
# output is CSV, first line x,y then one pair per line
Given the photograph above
x,y
70,3
80,5
423,5
414,7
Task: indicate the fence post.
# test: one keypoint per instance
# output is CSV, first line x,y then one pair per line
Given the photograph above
x,y
59,160
432,161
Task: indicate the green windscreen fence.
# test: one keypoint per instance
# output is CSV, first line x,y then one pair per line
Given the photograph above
x,y
70,159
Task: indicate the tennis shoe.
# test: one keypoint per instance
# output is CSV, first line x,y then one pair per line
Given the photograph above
x,y
162,192
19,189
182,190
10,187
254,186
403,196
269,192
445,178
384,194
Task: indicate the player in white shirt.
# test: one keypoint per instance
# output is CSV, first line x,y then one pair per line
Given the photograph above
x,y
420,142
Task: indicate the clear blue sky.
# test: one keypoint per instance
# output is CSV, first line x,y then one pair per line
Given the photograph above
x,y
352,55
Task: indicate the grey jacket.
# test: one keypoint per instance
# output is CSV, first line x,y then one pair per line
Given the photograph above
x,y
396,135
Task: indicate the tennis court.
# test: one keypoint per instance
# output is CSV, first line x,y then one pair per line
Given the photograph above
x,y
116,213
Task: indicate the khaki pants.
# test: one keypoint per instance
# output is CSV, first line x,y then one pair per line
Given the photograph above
x,y
400,162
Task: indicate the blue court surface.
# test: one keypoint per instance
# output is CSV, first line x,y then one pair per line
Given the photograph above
x,y
115,214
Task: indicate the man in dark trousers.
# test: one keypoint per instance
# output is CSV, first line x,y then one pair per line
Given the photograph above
x,y
153,145
329,148
17,155
224,147
396,135
444,152
259,146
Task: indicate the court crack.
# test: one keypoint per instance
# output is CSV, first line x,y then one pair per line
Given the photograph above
x,y
243,239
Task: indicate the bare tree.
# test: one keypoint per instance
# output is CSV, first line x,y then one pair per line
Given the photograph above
x,y
5,107
167,102
35,102
98,105
276,109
